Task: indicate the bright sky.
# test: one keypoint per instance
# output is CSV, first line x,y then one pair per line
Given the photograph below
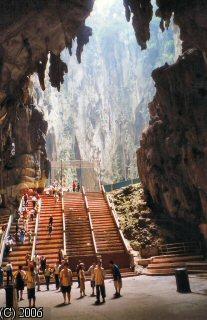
x,y
103,4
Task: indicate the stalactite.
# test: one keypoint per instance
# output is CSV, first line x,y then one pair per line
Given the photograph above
x,y
82,39
57,70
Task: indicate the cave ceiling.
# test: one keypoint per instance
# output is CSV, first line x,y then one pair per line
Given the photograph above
x,y
29,30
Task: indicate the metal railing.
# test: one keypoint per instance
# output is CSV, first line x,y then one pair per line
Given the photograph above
x,y
6,234
90,220
115,218
64,229
36,229
180,247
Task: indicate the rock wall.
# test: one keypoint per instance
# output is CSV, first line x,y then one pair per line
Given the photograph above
x,y
29,30
102,106
172,158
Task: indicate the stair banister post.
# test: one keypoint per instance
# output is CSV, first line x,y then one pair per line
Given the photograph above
x,y
36,229
90,220
63,217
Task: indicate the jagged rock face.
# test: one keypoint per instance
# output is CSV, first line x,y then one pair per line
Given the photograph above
x,y
101,108
24,162
172,158
29,30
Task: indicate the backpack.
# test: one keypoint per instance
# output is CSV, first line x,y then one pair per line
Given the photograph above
x,y
19,279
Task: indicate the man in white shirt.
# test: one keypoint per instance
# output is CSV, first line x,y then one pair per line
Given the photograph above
x,y
91,272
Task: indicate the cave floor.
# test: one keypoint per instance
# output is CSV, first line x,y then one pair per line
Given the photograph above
x,y
143,298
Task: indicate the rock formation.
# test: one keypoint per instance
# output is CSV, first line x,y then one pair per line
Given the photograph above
x,y
29,31
172,158
101,108
143,226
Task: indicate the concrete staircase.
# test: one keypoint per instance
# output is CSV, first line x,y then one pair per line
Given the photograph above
x,y
46,245
19,251
79,242
107,235
166,264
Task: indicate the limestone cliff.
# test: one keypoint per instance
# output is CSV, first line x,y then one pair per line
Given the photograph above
x,y
172,158
29,30
102,106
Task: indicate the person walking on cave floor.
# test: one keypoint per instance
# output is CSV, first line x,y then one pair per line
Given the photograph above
x,y
117,279
91,272
30,279
19,277
82,280
99,275
56,272
66,279
77,271
43,263
47,277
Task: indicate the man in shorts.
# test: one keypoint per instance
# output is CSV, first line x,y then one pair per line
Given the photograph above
x,y
66,278
117,279
91,272
30,278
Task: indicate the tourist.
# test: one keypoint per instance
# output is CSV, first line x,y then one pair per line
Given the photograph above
x,y
43,263
74,186
66,278
10,241
1,277
22,236
60,255
27,258
9,272
77,271
99,275
50,228
117,278
3,228
19,277
82,280
91,272
56,272
24,214
36,260
25,198
78,187
31,216
30,237
30,278
6,249
37,277
34,201
16,227
50,220
47,274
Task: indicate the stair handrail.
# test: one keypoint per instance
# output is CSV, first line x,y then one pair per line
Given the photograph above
x,y
36,229
114,216
64,229
5,235
90,220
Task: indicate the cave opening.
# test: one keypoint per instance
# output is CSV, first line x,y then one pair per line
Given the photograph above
x,y
99,112
55,108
